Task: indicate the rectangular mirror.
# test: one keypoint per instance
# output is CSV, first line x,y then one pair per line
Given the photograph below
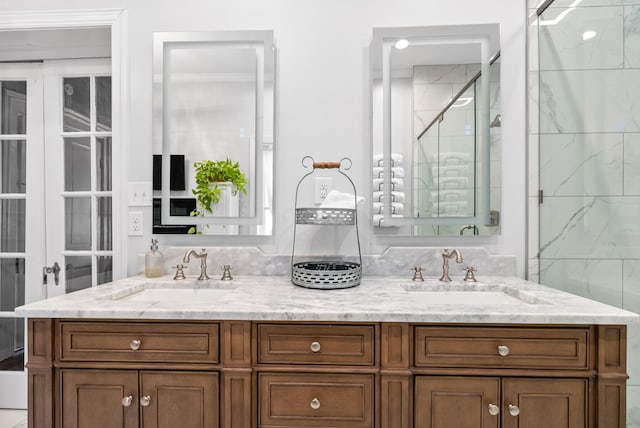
x,y
436,130
213,98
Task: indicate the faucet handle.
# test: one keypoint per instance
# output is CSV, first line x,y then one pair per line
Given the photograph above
x,y
179,272
470,277
226,273
417,274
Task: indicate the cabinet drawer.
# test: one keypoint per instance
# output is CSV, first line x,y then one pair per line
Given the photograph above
x,y
316,400
315,344
513,347
139,342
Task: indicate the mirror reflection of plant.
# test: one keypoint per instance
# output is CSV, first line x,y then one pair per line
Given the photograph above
x,y
209,174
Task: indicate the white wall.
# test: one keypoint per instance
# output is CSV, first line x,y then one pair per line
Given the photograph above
x,y
323,89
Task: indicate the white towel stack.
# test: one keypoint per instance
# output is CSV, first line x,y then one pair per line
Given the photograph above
x,y
452,172
396,188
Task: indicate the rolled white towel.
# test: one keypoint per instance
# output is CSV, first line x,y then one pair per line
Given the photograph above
x,y
395,196
451,170
448,195
454,183
396,207
396,184
396,172
396,159
451,158
378,220
336,199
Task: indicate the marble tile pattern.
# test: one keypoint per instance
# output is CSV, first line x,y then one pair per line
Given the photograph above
x,y
376,299
562,39
395,261
632,36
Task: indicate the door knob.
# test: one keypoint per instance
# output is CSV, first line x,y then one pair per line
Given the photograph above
x,y
503,350
135,344
315,346
126,401
145,400
315,404
514,410
493,409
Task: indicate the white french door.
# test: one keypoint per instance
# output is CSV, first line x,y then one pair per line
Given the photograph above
x,y
78,147
22,224
55,194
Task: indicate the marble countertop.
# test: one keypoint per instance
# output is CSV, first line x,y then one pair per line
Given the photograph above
x,y
376,299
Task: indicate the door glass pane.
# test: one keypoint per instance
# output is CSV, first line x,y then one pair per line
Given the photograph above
x,y
77,273
104,223
12,225
77,223
104,269
77,104
103,103
77,164
103,162
14,107
11,329
13,166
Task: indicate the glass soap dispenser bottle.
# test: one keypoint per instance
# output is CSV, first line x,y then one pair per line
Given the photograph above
x,y
153,261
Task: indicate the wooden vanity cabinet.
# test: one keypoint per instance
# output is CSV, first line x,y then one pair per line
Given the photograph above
x,y
247,374
444,401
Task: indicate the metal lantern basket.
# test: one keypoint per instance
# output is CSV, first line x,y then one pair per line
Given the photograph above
x,y
330,273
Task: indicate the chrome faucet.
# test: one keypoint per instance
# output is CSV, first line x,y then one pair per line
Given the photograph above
x,y
445,263
203,262
469,226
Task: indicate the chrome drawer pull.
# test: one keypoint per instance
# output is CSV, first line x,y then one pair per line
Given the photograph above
x,y
514,410
503,350
126,401
315,346
135,344
493,409
315,404
145,400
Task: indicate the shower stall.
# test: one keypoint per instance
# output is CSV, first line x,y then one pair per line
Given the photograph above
x,y
584,156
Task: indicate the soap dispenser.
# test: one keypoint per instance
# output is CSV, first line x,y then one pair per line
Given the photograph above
x,y
153,261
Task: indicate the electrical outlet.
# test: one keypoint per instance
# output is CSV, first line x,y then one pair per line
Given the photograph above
x,y
322,187
135,223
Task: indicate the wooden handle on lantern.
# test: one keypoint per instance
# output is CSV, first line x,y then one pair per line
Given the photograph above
x,y
326,165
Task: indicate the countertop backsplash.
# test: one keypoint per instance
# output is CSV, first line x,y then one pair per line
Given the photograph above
x,y
395,261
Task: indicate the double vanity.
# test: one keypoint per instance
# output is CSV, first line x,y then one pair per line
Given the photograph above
x,y
259,351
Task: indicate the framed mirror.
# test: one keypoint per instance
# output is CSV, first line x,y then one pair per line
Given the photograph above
x,y
213,99
436,130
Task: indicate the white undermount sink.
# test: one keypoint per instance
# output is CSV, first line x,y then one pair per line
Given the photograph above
x,y
175,291
471,294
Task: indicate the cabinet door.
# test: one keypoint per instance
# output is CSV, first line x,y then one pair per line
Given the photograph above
x,y
179,399
457,402
99,398
549,403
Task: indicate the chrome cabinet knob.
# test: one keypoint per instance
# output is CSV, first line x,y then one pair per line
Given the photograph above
x,y
493,409
514,410
135,344
126,401
315,346
145,400
315,404
503,350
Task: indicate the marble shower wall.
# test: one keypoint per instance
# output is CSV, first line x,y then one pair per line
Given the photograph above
x,y
584,153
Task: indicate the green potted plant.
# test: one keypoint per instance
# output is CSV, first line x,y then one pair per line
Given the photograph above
x,y
211,177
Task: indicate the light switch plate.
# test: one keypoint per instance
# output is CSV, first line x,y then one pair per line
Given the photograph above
x,y
140,194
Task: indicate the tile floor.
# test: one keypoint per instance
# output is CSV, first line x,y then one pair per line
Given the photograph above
x,y
13,418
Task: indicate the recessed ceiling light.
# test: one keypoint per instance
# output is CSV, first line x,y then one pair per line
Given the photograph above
x,y
588,35
402,43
